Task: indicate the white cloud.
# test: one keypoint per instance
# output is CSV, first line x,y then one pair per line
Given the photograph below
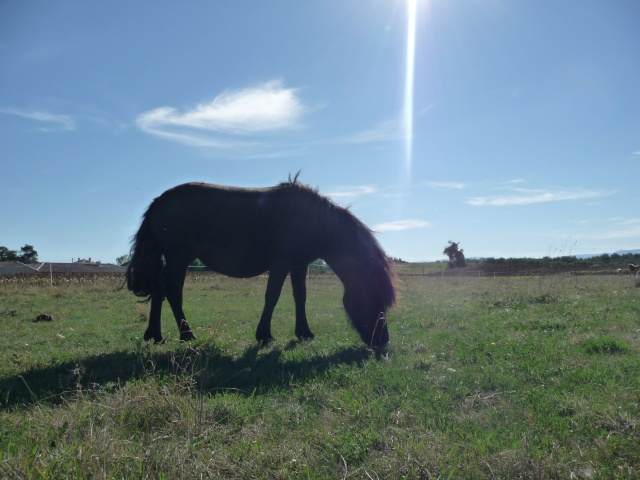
x,y
239,113
349,193
400,225
533,196
54,121
447,185
235,118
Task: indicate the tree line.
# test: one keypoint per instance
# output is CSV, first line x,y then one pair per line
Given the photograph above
x,y
605,260
27,254
614,260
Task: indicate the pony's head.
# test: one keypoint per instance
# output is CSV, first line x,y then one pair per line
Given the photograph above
x,y
365,271
354,254
366,306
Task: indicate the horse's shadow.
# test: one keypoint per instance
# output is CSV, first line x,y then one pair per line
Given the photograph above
x,y
205,368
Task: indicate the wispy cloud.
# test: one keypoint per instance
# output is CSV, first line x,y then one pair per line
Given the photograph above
x,y
619,229
48,121
630,221
447,185
384,131
388,130
631,232
591,221
349,193
514,181
400,225
533,196
230,118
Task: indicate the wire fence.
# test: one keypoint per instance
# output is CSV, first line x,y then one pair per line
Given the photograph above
x,y
463,272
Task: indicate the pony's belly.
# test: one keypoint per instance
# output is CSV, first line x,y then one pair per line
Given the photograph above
x,y
233,265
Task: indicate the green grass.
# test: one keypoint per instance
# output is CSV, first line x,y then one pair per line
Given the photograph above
x,y
535,377
423,268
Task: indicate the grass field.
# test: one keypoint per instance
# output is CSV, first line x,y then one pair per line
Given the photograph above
x,y
527,377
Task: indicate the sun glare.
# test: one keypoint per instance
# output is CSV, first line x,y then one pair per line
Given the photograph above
x,y
408,88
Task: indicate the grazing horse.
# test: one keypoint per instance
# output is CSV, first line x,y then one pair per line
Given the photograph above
x,y
244,232
634,269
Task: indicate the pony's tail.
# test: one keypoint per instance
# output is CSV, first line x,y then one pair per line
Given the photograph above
x,y
145,266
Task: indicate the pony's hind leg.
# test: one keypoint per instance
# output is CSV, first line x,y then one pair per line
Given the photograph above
x,y
174,276
154,329
298,284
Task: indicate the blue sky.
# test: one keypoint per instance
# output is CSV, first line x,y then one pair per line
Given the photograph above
x,y
511,127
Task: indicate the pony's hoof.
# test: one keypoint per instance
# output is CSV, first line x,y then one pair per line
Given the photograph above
x,y
305,336
187,336
157,338
265,341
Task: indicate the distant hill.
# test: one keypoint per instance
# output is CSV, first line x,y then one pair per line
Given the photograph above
x,y
619,252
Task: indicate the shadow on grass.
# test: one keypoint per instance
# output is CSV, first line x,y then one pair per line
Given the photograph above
x,y
203,367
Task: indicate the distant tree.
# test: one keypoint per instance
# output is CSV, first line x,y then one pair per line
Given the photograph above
x,y
7,255
124,259
28,254
397,260
455,254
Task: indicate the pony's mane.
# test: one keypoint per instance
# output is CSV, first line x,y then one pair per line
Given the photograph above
x,y
335,218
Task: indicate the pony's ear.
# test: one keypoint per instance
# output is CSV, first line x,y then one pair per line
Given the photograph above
x,y
295,178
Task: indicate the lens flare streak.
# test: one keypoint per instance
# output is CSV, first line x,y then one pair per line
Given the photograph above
x,y
408,87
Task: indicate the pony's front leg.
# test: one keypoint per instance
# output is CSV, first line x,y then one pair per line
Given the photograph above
x,y
154,329
277,276
298,283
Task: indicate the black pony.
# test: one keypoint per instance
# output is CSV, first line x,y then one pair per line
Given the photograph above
x,y
244,232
